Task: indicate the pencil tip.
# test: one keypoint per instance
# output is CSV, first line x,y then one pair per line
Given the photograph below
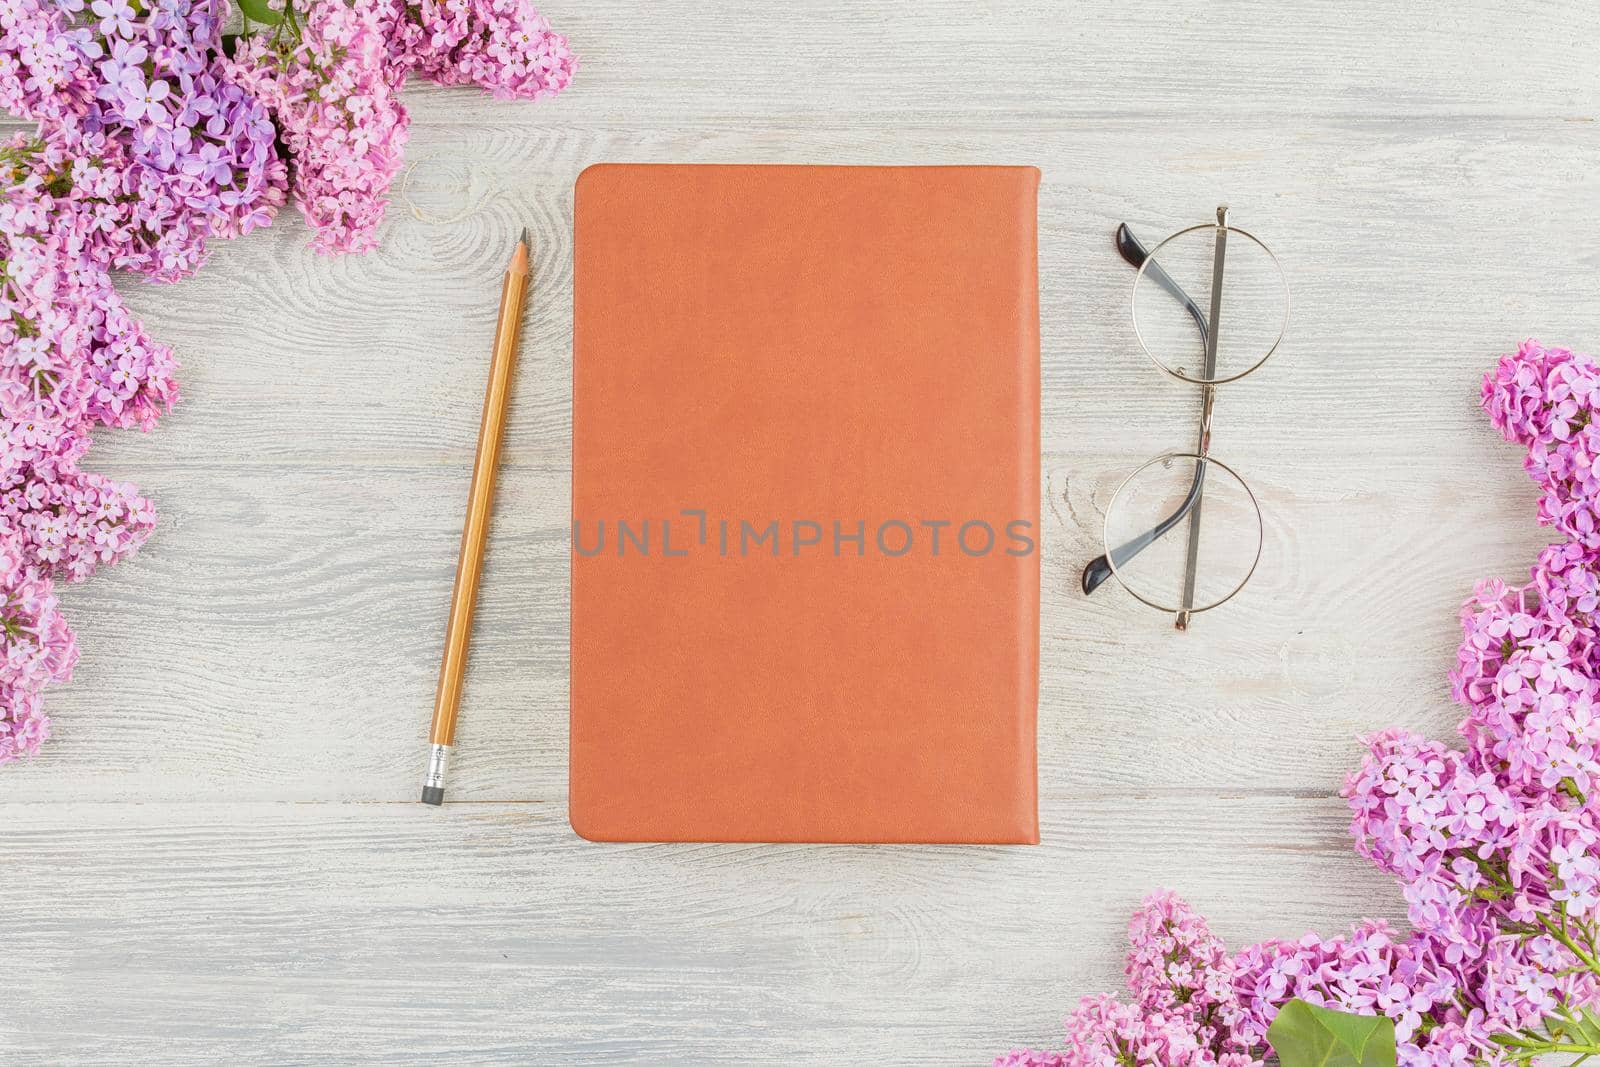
x,y
519,258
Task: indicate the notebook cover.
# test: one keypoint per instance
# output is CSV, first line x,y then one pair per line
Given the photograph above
x,y
805,346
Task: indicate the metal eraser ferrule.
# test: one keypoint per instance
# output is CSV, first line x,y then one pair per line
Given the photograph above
x,y
433,781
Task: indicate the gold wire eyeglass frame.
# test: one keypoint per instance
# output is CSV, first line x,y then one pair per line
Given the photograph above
x,y
1189,511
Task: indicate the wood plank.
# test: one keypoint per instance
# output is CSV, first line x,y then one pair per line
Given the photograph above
x,y
676,65
279,640
1414,249
1022,63
269,933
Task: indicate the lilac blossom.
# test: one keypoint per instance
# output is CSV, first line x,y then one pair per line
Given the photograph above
x,y
36,649
152,141
1496,846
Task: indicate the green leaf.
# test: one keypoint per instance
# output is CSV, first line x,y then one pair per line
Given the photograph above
x,y
260,11
1304,1035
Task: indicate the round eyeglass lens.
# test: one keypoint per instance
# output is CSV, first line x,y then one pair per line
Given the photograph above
x,y
1164,506
1172,304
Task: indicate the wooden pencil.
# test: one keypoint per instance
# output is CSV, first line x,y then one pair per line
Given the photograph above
x,y
475,531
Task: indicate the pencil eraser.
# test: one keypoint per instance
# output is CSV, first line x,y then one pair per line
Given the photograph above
x,y
433,794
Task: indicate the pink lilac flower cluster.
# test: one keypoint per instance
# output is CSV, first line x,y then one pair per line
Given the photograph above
x,y
334,90
1544,399
36,649
502,46
340,114
156,134
1496,845
1184,1012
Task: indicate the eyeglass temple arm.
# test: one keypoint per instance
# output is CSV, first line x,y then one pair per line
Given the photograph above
x,y
1099,568
1135,253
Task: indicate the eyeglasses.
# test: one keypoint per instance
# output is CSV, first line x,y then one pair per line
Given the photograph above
x,y
1212,560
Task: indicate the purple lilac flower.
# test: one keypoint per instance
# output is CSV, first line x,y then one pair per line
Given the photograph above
x,y
36,649
340,115
1496,848
116,18
1178,968
1104,1032
1545,399
152,142
1029,1058
504,46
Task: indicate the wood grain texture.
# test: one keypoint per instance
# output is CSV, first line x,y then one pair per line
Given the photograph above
x,y
283,933
219,858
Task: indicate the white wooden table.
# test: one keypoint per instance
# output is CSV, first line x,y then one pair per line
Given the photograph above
x,y
221,858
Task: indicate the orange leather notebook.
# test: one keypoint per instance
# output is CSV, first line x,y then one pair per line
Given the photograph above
x,y
805,498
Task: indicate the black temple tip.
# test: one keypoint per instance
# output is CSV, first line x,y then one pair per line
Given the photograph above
x,y
1095,574
1129,248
